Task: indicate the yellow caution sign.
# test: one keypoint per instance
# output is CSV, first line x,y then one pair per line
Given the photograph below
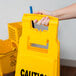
x,y
36,61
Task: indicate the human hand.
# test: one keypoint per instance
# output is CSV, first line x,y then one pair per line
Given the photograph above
x,y
65,13
44,20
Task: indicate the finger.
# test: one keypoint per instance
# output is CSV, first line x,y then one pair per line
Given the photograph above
x,y
40,22
45,12
38,12
35,21
45,21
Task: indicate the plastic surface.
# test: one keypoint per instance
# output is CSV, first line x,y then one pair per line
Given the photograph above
x,y
5,46
8,54
31,9
8,48
35,61
15,31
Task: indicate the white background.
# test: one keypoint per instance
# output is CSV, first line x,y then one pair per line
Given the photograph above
x,y
13,10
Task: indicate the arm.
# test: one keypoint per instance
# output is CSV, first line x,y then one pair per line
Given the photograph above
x,y
68,12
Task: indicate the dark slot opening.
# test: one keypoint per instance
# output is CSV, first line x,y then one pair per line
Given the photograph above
x,y
33,24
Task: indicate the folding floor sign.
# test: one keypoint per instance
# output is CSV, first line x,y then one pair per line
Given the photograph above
x,y
35,61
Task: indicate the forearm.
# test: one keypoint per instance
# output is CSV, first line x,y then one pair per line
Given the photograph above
x,y
65,13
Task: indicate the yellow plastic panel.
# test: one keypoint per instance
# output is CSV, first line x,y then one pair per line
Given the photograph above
x,y
15,31
35,61
5,46
8,54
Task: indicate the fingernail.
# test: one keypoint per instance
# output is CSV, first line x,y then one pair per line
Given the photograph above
x,y
44,17
38,24
47,22
43,23
47,17
35,21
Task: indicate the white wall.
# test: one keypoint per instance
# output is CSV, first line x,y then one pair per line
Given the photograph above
x,y
12,11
